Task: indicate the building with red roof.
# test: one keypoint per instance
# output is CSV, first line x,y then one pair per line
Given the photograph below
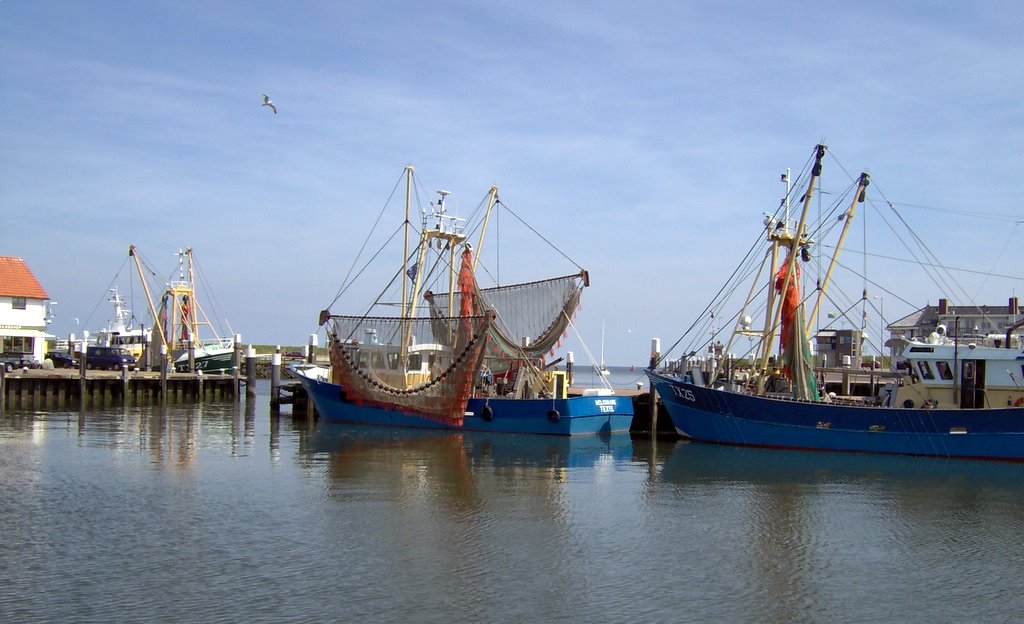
x,y
22,310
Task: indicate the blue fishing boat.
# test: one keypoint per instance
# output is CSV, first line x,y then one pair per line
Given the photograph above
x,y
458,356
948,397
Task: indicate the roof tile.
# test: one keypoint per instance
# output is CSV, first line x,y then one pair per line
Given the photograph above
x,y
17,280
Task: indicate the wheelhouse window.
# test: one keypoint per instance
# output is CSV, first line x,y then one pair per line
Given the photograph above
x,y
18,303
925,370
945,372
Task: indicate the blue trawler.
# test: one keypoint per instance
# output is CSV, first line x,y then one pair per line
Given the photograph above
x,y
457,356
596,414
950,397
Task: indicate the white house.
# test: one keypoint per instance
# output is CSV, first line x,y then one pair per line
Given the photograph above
x,y
22,309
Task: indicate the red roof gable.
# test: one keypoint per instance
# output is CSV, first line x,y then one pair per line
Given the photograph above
x,y
17,280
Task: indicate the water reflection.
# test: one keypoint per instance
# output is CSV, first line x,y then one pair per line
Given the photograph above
x,y
811,520
713,464
455,456
169,435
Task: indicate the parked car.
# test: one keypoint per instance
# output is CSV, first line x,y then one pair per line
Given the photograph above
x,y
112,358
62,359
11,361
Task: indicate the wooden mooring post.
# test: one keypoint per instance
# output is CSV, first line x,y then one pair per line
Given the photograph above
x,y
250,372
236,369
275,380
652,393
163,373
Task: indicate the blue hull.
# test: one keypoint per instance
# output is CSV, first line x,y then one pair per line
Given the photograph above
x,y
586,415
708,415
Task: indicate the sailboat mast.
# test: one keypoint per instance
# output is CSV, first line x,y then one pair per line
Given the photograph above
x,y
858,198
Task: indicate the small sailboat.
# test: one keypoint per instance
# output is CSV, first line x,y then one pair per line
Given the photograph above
x,y
602,369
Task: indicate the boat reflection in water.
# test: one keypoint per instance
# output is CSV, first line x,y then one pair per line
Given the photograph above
x,y
501,449
804,536
701,463
463,457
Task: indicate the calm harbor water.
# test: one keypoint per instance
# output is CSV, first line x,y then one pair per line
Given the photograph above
x,y
219,512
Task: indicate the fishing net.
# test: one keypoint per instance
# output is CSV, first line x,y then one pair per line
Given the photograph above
x,y
421,366
795,349
403,364
531,318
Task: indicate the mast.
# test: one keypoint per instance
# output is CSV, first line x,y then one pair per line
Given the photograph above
x,y
149,299
492,198
405,255
858,198
792,242
445,236
191,317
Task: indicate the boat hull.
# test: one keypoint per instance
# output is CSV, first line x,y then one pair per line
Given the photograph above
x,y
213,363
724,417
574,416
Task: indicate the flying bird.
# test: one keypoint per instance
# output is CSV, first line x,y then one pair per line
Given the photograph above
x,y
267,102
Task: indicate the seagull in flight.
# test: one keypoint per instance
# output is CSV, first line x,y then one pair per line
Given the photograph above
x,y
267,102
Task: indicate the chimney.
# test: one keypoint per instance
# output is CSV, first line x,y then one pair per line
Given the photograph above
x,y
943,306
1013,307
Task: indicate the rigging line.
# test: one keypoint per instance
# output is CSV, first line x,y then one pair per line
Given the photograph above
x,y
876,285
920,242
918,262
368,263
590,356
209,295
998,257
725,286
935,269
968,213
539,235
103,296
345,282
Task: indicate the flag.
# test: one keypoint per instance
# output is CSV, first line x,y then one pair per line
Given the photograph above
x,y
412,271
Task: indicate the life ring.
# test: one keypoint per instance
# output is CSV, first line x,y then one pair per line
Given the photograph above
x,y
553,415
486,413
1019,402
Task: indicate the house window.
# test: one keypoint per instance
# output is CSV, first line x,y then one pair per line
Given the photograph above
x,y
18,303
925,370
18,344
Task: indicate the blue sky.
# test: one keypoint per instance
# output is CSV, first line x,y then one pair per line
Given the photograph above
x,y
644,138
